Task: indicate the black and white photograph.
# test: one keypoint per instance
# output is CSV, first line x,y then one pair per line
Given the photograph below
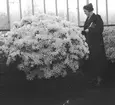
x,y
57,52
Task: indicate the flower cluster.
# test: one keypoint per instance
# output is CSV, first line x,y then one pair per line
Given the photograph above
x,y
109,41
46,46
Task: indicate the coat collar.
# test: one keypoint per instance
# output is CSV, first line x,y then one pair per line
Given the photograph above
x,y
90,15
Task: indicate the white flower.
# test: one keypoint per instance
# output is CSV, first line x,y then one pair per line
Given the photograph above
x,y
46,44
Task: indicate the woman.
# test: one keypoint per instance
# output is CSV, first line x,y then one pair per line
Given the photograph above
x,y
93,28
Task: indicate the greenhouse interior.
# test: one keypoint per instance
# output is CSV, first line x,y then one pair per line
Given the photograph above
x,y
57,52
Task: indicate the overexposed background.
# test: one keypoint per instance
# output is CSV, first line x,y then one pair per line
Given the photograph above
x,y
26,8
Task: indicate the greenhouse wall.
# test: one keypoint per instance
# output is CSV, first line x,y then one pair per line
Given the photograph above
x,y
71,10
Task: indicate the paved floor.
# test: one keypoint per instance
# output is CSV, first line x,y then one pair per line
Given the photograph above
x,y
62,91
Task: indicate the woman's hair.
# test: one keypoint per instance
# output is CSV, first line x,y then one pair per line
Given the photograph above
x,y
89,7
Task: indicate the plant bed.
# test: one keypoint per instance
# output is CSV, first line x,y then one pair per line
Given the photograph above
x,y
40,52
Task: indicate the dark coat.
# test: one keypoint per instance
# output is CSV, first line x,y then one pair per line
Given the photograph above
x,y
97,58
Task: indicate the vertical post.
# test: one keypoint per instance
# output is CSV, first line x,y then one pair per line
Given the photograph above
x,y
8,12
56,8
97,6
20,6
78,12
44,2
87,1
32,7
107,11
67,10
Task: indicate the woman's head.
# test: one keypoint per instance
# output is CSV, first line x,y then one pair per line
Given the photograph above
x,y
88,9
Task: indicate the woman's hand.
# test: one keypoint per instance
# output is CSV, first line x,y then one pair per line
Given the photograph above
x,y
85,31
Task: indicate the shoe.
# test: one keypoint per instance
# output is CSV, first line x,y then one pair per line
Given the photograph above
x,y
96,81
99,81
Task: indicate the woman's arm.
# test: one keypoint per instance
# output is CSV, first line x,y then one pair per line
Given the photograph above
x,y
96,25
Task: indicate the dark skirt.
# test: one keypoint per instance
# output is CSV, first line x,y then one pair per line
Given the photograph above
x,y
97,64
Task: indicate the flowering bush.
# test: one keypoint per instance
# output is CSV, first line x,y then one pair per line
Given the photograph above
x,y
109,40
46,46
2,53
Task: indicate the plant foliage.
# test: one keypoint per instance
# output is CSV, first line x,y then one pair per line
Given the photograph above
x,y
109,41
46,46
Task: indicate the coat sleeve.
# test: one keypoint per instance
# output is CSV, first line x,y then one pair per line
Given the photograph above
x,y
96,26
